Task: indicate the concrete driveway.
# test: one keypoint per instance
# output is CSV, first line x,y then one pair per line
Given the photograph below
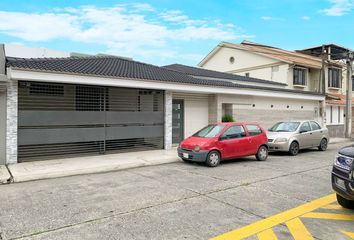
x,y
175,201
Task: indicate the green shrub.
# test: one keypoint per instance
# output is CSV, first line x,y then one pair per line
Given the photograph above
x,y
227,118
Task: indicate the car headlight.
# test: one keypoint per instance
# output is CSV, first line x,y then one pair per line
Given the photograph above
x,y
281,140
197,148
343,162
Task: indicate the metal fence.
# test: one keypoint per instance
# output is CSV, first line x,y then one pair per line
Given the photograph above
x,y
64,119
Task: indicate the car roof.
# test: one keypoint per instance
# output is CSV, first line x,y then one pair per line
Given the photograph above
x,y
236,123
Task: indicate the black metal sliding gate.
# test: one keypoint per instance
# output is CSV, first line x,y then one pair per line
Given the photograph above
x,y
63,119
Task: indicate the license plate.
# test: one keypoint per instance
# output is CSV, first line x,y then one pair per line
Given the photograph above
x,y
340,183
185,155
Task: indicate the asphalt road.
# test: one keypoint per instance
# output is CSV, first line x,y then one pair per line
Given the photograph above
x,y
171,201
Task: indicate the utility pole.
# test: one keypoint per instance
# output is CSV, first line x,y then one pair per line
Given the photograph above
x,y
348,106
323,71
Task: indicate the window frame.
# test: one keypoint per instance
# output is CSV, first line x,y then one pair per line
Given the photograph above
x,y
303,80
316,123
224,136
258,133
334,72
307,122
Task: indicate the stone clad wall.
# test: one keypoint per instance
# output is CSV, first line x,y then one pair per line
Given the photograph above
x,y
168,120
11,122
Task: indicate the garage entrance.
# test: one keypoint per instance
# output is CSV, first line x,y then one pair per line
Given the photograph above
x,y
58,120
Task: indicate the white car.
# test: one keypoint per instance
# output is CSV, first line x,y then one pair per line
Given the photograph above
x,y
291,136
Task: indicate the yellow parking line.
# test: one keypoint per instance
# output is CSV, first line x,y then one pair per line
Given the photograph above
x,y
267,235
331,216
333,206
276,219
298,230
349,234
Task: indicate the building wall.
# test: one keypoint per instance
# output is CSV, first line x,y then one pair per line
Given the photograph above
x,y
277,73
2,127
168,120
196,112
268,111
11,122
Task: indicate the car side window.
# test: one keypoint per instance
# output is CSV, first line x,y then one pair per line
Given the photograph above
x,y
315,125
253,130
234,132
305,127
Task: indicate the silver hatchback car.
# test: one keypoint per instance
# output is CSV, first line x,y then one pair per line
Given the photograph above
x,y
291,136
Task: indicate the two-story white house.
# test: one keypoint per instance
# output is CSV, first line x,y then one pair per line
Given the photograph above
x,y
300,70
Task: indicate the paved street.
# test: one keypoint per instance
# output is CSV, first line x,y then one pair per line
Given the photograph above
x,y
174,201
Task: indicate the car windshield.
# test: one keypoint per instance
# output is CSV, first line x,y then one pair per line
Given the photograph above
x,y
209,131
285,127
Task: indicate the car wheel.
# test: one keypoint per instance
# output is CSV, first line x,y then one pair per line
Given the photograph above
x,y
213,159
323,145
262,153
345,202
294,149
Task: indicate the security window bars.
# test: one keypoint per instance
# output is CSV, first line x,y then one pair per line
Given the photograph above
x,y
39,89
334,77
299,76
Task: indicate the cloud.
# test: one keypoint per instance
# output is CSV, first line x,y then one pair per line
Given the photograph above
x,y
305,18
132,30
269,18
339,8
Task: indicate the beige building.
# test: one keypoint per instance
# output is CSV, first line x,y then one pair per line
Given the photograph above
x,y
298,70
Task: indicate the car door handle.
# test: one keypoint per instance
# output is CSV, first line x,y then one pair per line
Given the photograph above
x,y
310,133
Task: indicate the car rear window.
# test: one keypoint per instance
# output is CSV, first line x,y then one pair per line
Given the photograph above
x,y
254,130
209,131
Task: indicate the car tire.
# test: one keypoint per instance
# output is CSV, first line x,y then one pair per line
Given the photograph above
x,y
345,202
294,149
323,145
262,153
213,159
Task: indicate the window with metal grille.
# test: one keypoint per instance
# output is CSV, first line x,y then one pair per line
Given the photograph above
x,y
300,76
39,89
334,77
90,98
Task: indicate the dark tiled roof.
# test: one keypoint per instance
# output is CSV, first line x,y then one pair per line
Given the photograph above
x,y
124,68
201,72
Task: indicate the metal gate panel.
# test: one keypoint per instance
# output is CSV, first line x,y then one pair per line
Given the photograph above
x,y
64,119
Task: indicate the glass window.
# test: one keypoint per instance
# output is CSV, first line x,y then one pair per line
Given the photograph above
x,y
209,131
253,130
234,132
315,125
285,127
299,76
305,127
334,77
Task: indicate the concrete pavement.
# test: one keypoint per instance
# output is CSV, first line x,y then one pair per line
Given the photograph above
x,y
55,168
171,201
5,176
37,170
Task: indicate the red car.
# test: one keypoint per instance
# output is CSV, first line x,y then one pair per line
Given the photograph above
x,y
223,141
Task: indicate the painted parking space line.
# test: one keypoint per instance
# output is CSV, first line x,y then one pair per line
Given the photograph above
x,y
349,234
333,206
292,219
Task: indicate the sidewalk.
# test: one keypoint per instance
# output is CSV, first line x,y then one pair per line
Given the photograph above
x,y
36,170
4,175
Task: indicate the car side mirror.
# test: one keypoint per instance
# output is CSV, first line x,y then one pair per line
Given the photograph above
x,y
303,131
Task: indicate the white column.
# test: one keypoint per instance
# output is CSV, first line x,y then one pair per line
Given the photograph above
x,y
168,120
11,122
